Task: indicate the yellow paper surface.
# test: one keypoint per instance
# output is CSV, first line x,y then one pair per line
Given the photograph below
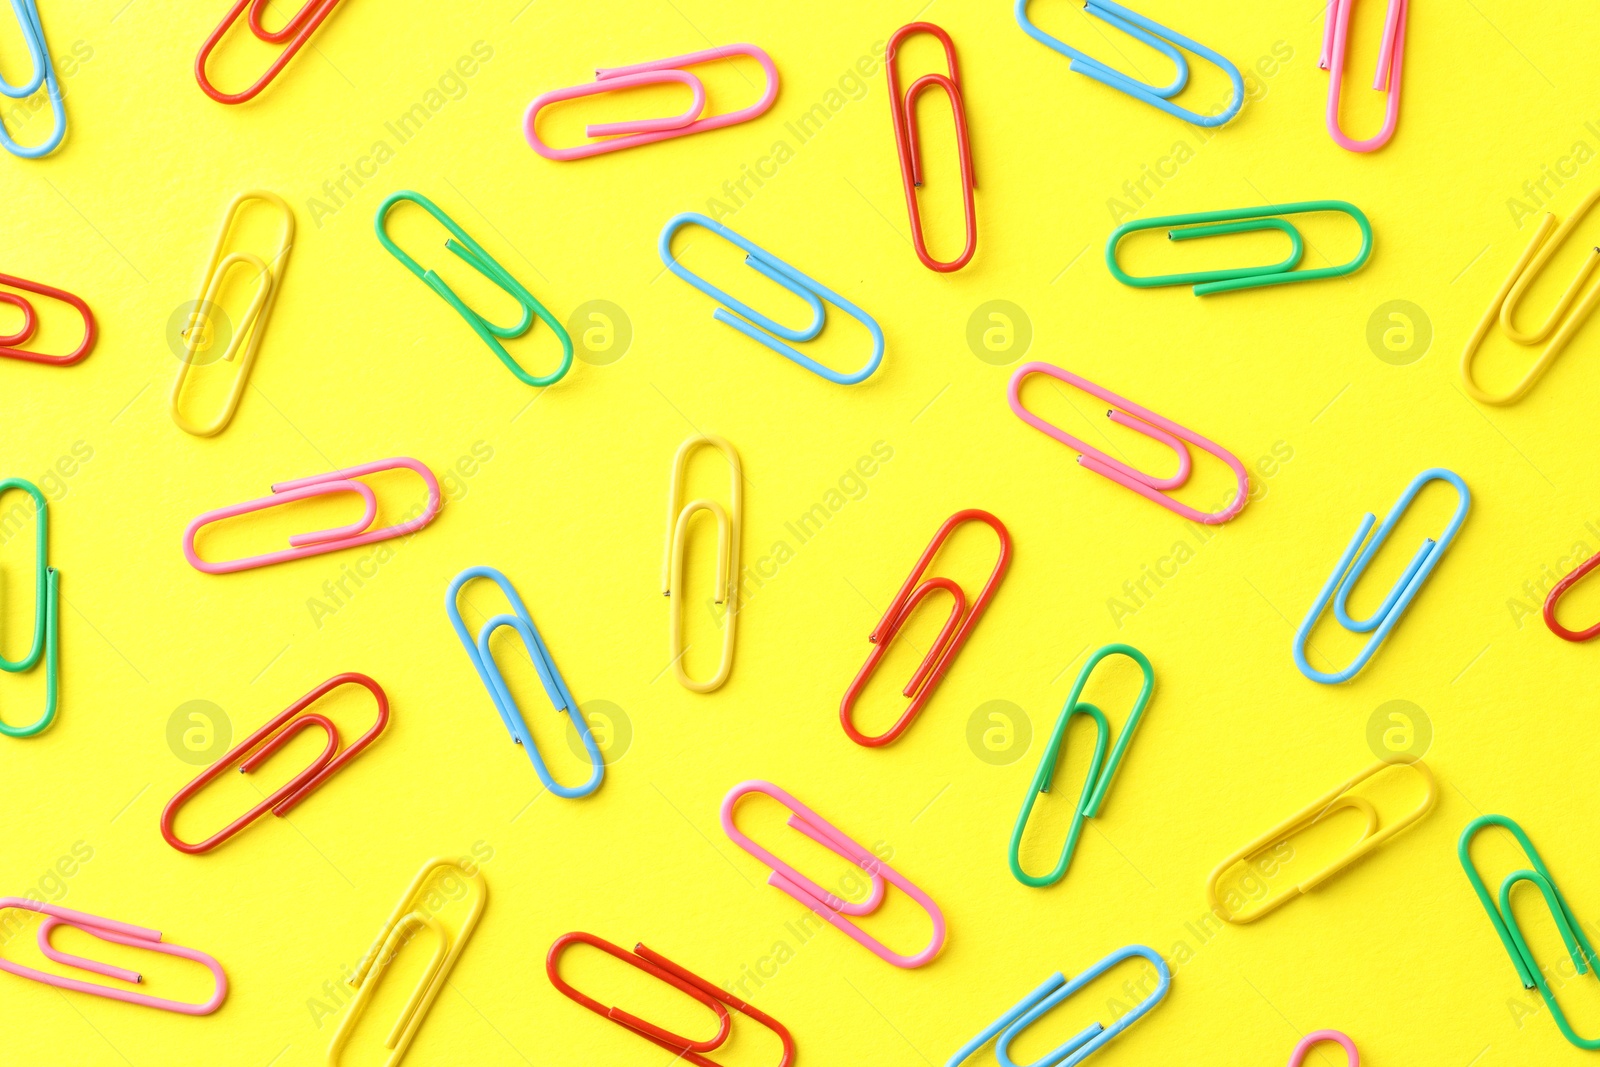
x,y
1333,394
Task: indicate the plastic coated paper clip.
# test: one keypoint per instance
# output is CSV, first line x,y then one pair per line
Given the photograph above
x,y
46,614
1391,56
293,36
1317,1037
729,525
10,343
44,74
902,112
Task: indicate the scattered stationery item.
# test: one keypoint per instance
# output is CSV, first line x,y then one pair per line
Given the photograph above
x,y
1391,55
902,112
618,135
1142,420
1340,799
293,36
758,327
826,905
729,524
11,343
261,745
1348,571
44,75
46,640
1558,591
493,680
1317,1037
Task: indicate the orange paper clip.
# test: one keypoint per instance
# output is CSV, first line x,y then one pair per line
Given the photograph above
x,y
9,343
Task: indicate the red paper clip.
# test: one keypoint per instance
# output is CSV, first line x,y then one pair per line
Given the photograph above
x,y
30,322
658,966
271,737
955,633
295,33
1558,592
901,109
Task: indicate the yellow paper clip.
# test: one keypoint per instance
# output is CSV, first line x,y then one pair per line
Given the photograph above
x,y
728,524
246,334
414,912
1564,320
1338,800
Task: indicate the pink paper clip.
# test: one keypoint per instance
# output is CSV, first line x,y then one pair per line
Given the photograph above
x,y
648,131
117,934
1391,53
1303,1049
315,544
825,904
1126,413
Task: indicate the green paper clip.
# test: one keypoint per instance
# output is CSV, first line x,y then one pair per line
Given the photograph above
x,y
46,614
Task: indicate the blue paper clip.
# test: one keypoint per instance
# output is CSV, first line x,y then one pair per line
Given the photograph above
x,y
1345,575
44,73
46,614
1156,36
479,260
1056,989
483,661
760,328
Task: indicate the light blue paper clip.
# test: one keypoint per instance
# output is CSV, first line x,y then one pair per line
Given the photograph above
x,y
483,661
759,327
1056,989
1346,574
1156,36
44,73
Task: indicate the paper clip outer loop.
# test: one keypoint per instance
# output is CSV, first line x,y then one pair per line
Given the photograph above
x,y
44,73
730,523
253,322
902,112
1097,782
294,35
46,614
1240,220
475,257
1052,992
1391,58
1372,837
1126,413
1564,320
10,344
315,544
1558,591
826,905
651,130
1347,573
1156,36
1318,1037
116,933
686,982
408,915
261,745
963,620
555,686
759,327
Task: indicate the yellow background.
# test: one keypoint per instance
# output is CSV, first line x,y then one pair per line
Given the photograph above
x,y
362,362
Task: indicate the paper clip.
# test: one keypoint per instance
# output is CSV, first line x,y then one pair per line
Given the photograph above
x,y
1098,781
963,619
648,131
902,108
1584,959
493,680
413,913
1564,320
827,905
479,260
352,535
1391,54
692,985
46,614
1156,36
44,74
293,36
30,322
1346,574
760,328
115,933
729,524
1339,799
259,747
1318,1037
1053,992
256,315
1126,413
1241,220
1558,591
